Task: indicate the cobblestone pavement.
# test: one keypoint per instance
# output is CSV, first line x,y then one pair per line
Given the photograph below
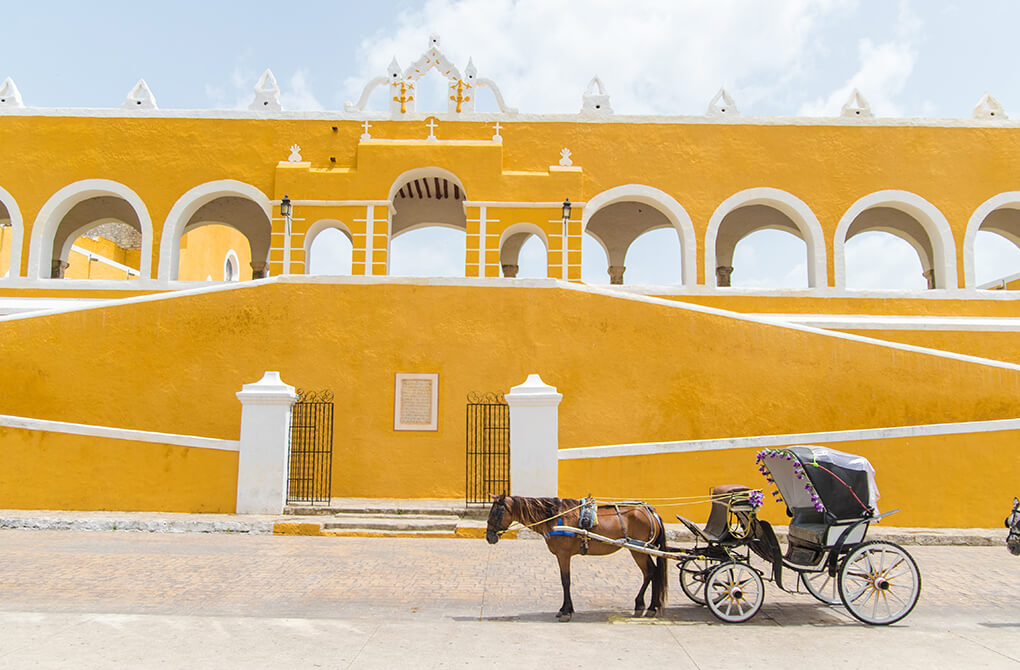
x,y
70,599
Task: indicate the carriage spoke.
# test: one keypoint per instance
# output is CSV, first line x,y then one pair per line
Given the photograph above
x,y
879,582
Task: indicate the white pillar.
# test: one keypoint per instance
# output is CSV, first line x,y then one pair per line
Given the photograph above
x,y
534,438
265,438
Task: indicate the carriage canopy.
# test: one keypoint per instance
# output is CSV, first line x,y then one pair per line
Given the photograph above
x,y
830,481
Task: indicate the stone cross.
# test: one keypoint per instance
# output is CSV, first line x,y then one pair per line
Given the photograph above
x,y
365,136
497,137
432,128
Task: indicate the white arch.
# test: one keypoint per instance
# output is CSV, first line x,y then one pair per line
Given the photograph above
x,y
44,230
185,208
664,203
931,219
427,224
523,227
318,227
17,231
790,205
1007,200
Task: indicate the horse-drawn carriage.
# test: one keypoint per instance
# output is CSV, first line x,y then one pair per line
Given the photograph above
x,y
831,499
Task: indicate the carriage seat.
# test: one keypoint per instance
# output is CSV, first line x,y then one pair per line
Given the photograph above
x,y
716,529
808,526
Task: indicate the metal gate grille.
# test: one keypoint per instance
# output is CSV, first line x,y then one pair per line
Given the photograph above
x,y
488,447
310,473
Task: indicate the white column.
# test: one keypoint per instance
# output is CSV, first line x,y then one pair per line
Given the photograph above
x,y
534,438
265,438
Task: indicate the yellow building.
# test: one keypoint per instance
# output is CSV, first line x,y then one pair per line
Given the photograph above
x,y
668,389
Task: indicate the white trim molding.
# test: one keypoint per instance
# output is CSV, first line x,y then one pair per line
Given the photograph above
x,y
88,430
17,231
763,441
44,229
185,208
793,207
664,203
931,219
1007,200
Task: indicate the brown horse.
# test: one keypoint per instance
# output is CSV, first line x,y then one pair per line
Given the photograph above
x,y
635,522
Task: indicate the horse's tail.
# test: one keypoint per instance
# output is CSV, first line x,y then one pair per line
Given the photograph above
x,y
660,578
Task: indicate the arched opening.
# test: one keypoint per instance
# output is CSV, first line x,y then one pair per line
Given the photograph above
x,y
6,240
594,260
330,252
81,207
878,259
618,216
428,226
251,231
898,224
655,258
228,203
618,225
770,258
523,252
911,219
98,238
992,242
204,251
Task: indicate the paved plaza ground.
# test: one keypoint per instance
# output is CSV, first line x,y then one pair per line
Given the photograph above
x,y
103,600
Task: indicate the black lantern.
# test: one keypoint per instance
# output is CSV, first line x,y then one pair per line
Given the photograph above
x,y
566,210
285,207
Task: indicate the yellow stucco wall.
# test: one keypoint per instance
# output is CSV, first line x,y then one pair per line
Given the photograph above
x,y
630,371
46,470
204,250
804,303
944,481
700,164
1001,346
80,267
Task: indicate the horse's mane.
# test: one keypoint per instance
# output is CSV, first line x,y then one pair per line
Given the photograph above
x,y
533,510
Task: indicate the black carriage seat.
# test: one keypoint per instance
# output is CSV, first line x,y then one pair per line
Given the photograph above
x,y
808,526
717,528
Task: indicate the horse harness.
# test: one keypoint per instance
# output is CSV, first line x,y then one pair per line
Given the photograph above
x,y
588,518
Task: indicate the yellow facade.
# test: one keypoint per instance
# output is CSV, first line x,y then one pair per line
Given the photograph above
x,y
693,362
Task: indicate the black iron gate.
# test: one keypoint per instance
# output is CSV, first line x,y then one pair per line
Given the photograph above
x,y
488,446
310,473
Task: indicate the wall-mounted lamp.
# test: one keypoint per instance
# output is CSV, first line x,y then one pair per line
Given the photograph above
x,y
566,211
285,206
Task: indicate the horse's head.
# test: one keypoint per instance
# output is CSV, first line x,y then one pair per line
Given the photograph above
x,y
1013,523
499,519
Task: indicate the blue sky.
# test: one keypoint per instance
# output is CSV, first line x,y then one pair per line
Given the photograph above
x,y
776,58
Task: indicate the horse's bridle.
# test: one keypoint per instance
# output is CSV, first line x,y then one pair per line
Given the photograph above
x,y
498,521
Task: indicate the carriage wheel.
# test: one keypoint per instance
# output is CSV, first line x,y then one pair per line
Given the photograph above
x,y
734,592
879,582
822,586
693,572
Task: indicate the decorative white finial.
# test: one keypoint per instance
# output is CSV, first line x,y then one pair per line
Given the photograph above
x,y
9,95
722,105
470,72
432,124
989,108
267,94
365,126
497,137
434,41
295,154
565,160
593,102
393,70
856,107
140,97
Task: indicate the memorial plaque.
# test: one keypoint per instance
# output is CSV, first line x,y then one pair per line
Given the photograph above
x,y
416,402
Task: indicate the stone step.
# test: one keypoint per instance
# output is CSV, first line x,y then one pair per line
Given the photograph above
x,y
392,522
368,510
376,532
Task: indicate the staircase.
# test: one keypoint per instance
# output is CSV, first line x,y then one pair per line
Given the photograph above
x,y
385,518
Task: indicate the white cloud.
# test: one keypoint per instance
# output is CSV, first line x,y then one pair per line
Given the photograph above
x,y
881,260
296,94
656,56
428,252
883,71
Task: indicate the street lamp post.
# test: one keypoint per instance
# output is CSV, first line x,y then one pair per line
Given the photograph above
x,y
285,210
566,221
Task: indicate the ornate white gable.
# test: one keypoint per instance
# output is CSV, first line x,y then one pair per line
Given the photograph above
x,y
989,108
595,99
9,95
722,105
856,107
402,85
140,97
267,94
